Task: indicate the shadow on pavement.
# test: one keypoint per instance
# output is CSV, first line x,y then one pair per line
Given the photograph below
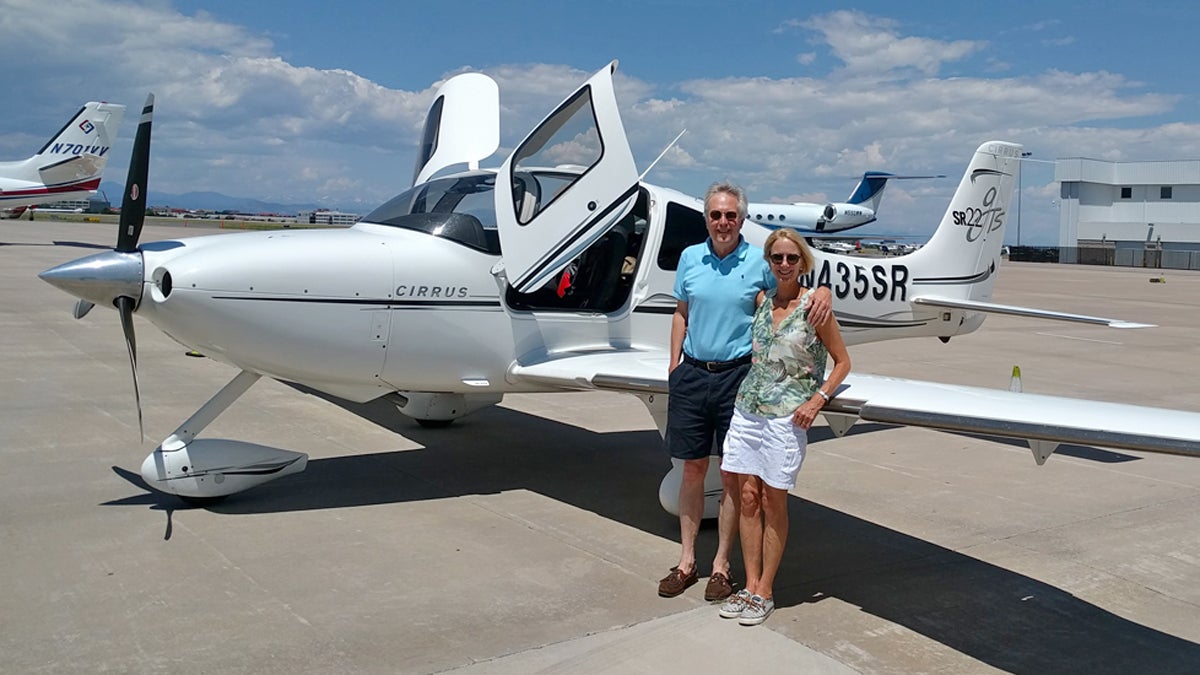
x,y
1004,619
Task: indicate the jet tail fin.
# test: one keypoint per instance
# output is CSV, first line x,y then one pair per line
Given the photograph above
x,y
869,190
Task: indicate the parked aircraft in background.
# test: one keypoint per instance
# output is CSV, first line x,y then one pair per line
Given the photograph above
x,y
456,292
69,165
858,210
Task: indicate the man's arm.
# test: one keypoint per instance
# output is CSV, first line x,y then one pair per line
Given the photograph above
x,y
678,330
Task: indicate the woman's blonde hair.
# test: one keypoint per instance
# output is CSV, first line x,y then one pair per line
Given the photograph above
x,y
806,257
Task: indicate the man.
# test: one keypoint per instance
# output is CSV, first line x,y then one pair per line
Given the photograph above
x,y
715,287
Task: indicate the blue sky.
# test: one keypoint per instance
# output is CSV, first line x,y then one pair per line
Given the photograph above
x,y
316,101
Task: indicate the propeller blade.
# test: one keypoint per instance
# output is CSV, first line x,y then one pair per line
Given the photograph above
x,y
133,207
82,307
125,309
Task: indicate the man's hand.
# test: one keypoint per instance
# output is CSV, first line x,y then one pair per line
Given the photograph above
x,y
820,306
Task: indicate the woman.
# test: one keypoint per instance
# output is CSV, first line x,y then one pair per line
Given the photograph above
x,y
776,404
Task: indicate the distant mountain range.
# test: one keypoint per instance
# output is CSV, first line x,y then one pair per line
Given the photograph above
x,y
215,201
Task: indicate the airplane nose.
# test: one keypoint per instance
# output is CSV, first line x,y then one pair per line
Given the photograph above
x,y
100,278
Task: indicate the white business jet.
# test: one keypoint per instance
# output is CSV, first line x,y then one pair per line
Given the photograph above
x,y
69,165
552,273
859,209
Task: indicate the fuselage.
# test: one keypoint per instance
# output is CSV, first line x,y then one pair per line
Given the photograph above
x,y
375,308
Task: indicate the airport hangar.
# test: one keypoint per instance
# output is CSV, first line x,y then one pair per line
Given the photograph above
x,y
1139,214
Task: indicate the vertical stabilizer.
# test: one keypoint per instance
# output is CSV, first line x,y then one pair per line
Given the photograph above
x,y
962,257
869,190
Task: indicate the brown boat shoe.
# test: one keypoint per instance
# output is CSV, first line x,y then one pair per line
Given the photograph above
x,y
719,587
676,582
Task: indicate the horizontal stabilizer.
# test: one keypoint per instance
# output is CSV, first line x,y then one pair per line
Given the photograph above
x,y
935,301
72,169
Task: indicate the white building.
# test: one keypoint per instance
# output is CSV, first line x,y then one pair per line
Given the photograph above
x,y
1122,211
323,217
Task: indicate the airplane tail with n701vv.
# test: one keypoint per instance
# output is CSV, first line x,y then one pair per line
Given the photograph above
x,y
69,165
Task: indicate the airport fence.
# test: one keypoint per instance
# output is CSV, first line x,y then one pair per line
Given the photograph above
x,y
1151,258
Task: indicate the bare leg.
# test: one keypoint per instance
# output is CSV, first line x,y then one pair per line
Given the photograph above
x,y
751,525
727,520
691,510
775,532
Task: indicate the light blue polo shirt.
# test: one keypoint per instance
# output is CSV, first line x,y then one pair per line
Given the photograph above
x,y
720,295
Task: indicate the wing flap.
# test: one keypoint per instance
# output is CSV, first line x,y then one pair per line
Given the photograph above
x,y
636,371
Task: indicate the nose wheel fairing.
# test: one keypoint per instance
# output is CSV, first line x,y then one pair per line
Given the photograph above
x,y
215,467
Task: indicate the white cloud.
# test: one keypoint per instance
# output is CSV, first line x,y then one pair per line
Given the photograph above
x,y
235,116
868,44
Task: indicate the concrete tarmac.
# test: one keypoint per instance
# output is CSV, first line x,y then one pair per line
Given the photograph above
x,y
528,537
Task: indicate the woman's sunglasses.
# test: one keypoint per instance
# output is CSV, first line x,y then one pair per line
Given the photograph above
x,y
791,258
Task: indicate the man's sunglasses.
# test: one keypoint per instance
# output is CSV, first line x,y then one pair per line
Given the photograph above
x,y
792,258
716,215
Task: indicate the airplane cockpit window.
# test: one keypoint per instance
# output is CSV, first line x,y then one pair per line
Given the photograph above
x,y
570,136
684,227
459,208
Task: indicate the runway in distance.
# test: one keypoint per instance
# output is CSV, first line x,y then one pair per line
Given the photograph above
x,y
453,294
69,166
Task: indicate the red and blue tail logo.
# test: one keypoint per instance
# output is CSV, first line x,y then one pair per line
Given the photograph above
x,y
87,126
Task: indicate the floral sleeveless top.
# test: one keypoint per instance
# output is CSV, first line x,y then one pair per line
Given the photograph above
x,y
788,365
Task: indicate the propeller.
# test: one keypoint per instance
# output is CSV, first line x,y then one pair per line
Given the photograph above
x,y
133,217
133,206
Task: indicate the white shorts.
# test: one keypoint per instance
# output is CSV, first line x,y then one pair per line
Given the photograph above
x,y
771,448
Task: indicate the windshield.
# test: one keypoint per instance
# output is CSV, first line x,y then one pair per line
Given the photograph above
x,y
460,209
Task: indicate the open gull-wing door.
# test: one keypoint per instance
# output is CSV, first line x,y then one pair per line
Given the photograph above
x,y
461,127
544,225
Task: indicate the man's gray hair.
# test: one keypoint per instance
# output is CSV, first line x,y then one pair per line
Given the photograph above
x,y
729,188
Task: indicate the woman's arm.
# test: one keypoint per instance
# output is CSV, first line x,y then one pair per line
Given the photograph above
x,y
831,337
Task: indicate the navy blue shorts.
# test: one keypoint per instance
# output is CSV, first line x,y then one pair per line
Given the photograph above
x,y
699,409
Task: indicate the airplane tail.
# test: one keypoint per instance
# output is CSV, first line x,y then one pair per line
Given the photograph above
x,y
77,153
869,190
963,256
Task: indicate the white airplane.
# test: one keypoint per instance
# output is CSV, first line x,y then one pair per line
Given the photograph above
x,y
835,246
859,209
68,166
456,292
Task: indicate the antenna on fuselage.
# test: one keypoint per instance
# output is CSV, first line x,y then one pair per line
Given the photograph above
x,y
660,155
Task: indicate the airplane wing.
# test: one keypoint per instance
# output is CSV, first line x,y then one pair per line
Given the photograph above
x,y
1042,421
1034,418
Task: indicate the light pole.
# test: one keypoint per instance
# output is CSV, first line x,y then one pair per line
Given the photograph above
x,y
1020,180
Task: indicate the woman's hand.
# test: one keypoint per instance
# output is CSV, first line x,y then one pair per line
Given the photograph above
x,y
806,414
